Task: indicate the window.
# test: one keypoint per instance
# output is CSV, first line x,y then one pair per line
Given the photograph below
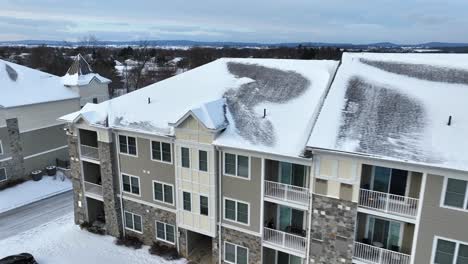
x,y
127,145
163,192
456,194
3,175
236,211
185,155
131,184
203,205
95,101
133,222
165,232
161,151
236,165
202,160
187,201
450,252
235,254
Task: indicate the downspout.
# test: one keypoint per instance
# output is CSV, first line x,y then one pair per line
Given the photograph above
x,y
220,200
120,187
311,177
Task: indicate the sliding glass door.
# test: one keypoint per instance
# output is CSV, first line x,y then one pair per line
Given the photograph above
x,y
290,218
292,174
284,258
384,233
389,180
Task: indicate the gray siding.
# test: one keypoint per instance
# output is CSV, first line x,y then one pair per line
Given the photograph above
x,y
158,171
246,190
41,161
40,140
437,221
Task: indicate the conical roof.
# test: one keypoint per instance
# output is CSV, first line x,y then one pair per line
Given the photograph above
x,y
80,66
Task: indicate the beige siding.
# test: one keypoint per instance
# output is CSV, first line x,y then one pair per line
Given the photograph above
x,y
94,89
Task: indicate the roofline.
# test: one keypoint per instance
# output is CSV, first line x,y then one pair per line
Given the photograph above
x,y
190,113
46,102
377,158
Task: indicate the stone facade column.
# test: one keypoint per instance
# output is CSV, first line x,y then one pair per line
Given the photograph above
x,y
16,164
332,234
253,243
75,172
110,188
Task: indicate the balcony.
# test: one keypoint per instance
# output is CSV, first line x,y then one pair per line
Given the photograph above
x,y
280,240
95,190
287,193
89,152
389,203
374,255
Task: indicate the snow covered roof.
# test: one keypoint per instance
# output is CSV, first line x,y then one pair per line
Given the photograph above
x,y
80,73
236,91
20,85
397,107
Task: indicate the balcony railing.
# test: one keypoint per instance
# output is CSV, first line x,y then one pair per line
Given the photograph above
x,y
389,203
89,152
287,192
374,255
93,188
284,240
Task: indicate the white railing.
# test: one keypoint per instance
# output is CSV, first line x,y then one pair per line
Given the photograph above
x,y
287,192
93,188
389,203
284,240
375,255
89,152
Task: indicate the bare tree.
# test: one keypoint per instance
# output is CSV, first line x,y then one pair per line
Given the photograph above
x,y
89,40
141,55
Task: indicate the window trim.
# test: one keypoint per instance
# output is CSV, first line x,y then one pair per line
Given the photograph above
x,y
207,161
6,175
139,184
165,232
133,222
457,246
237,164
2,151
160,149
183,202
236,201
444,192
235,253
136,145
208,205
190,157
164,192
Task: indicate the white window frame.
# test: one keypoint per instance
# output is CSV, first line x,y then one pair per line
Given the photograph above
x,y
237,165
457,246
6,175
183,201
1,148
236,201
133,222
131,176
126,139
190,157
164,192
444,192
160,149
235,253
165,232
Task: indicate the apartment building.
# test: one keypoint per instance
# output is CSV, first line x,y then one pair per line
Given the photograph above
x,y
284,161
31,137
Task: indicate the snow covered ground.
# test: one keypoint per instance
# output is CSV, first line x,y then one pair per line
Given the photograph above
x,y
31,191
61,241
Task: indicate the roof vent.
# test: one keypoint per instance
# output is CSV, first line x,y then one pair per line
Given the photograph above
x,y
11,72
449,123
149,100
264,112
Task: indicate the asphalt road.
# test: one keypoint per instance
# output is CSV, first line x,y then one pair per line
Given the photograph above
x,y
26,217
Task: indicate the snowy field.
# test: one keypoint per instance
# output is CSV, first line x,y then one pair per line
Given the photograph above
x,y
32,191
61,241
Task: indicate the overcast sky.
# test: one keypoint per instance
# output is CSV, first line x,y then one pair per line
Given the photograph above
x,y
344,21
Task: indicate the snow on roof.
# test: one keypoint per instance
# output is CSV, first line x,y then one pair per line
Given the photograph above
x,y
246,87
80,73
397,107
20,85
212,114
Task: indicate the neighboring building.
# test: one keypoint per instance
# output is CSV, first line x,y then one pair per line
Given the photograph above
x,y
285,161
31,138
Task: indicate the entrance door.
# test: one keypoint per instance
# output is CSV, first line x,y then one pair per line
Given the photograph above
x,y
289,217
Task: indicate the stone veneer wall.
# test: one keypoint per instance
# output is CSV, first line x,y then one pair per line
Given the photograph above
x,y
110,188
332,234
253,243
75,172
149,217
183,250
14,166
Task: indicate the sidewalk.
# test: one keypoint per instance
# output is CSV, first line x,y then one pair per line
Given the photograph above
x,y
31,191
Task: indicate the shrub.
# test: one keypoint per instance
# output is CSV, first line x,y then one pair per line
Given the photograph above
x,y
12,183
168,253
129,241
93,228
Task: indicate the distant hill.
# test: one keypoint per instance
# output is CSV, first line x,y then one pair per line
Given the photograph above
x,y
189,43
